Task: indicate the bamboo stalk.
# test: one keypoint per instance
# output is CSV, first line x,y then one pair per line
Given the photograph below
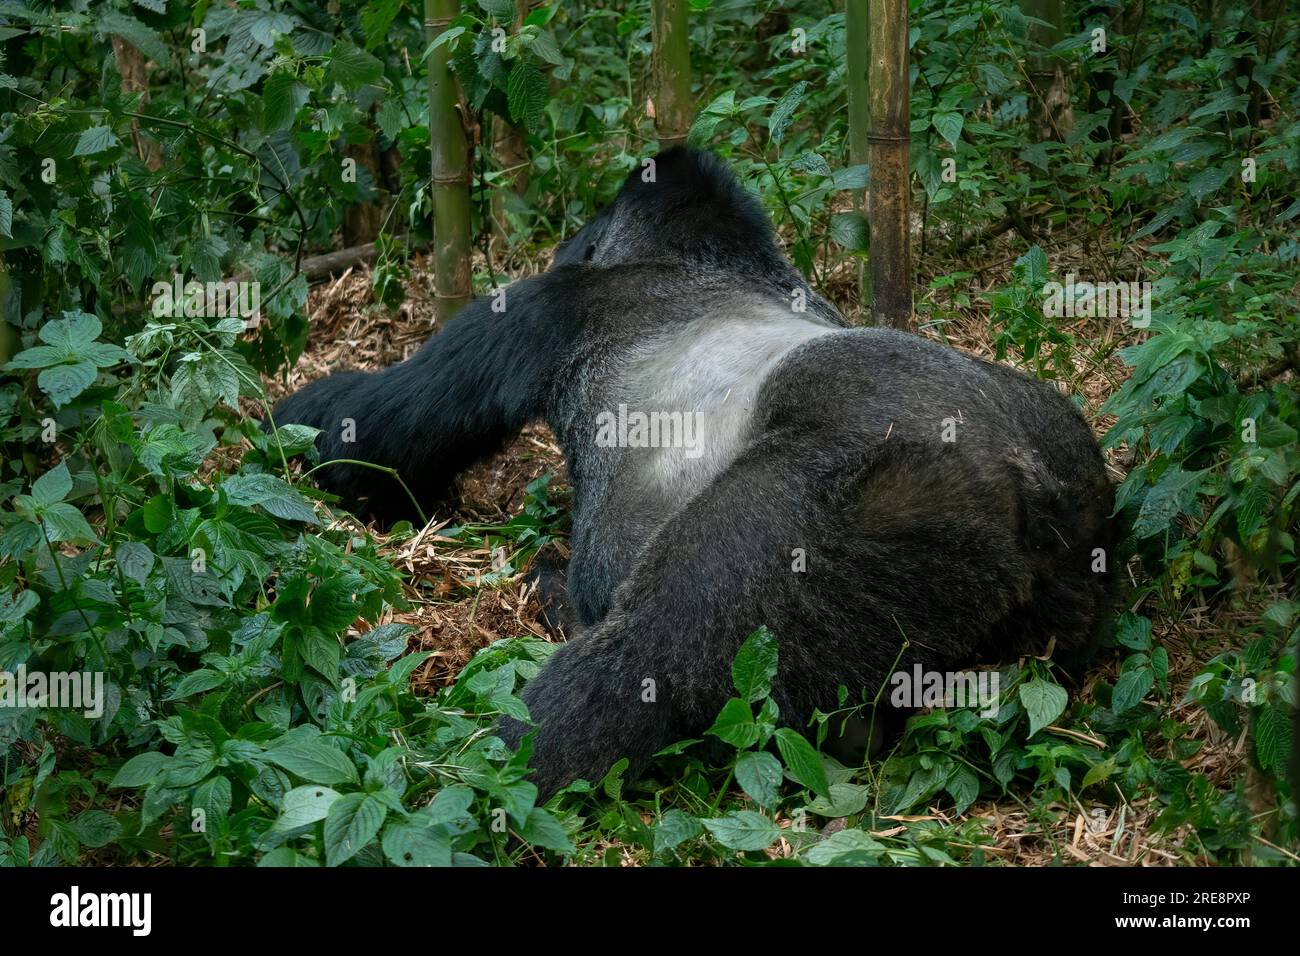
x,y
857,61
452,235
671,65
890,181
1047,70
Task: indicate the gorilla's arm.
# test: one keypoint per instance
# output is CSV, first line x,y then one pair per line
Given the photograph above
x,y
467,390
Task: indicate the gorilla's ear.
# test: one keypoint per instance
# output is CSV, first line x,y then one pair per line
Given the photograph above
x,y
583,245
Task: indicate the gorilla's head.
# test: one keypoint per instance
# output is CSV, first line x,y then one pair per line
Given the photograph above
x,y
684,205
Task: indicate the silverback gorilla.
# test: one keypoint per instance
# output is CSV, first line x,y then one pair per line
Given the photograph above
x,y
854,489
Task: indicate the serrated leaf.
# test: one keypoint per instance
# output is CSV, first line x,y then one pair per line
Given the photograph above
x,y
755,666
416,844
97,139
141,770
95,828
352,67
352,822
52,486
63,383
759,775
63,522
1043,702
673,830
273,494
949,126
783,113
314,761
542,829
303,806
1272,732
1131,687
744,830
802,762
282,96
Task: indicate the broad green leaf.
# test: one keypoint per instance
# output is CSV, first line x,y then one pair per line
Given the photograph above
x,y
673,830
848,847
416,844
315,761
755,666
802,762
744,830
352,822
735,724
1043,702
303,806
1131,687
759,775
97,139
52,486
949,126
273,494
141,770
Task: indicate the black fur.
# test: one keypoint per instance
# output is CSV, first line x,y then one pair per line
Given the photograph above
x,y
978,548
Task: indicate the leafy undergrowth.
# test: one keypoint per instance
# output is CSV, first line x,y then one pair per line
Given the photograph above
x,y
281,685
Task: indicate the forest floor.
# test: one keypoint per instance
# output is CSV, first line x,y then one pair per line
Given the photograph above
x,y
455,613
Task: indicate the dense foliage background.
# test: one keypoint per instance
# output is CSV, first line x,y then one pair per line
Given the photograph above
x,y
256,712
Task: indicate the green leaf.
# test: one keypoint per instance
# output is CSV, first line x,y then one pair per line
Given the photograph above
x,y
141,770
63,383
851,231
38,356
273,494
143,38
315,761
848,847
282,96
135,560
97,139
1043,702
783,113
503,11
352,67
52,486
352,822
1131,687
1133,631
1166,499
303,806
735,724
949,126
542,829
63,522
526,92
95,828
376,17
196,682
802,762
1272,731
759,775
755,666
673,830
416,844
744,830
